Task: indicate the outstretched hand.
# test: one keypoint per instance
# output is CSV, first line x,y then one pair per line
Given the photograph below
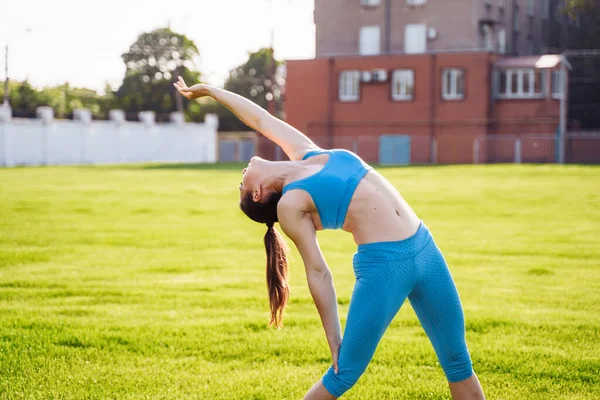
x,y
193,92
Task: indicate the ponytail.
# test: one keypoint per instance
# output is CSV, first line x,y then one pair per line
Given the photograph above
x,y
277,274
277,265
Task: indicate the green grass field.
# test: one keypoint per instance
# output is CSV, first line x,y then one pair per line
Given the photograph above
x,y
147,282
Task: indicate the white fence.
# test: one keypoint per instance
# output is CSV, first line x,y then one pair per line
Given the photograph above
x,y
55,142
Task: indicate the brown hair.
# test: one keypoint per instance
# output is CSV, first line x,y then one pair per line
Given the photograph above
x,y
277,265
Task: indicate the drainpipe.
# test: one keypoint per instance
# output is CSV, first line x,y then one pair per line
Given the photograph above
x,y
432,108
387,27
563,111
494,81
330,102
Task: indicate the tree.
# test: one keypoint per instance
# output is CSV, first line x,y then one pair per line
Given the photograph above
x,y
574,8
24,99
152,63
257,80
575,26
64,99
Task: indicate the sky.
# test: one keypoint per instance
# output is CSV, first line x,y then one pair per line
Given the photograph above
x,y
81,41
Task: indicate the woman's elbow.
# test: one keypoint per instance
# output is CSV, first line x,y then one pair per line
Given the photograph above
x,y
321,274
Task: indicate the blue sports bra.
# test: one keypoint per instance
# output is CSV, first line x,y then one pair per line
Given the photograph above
x,y
332,187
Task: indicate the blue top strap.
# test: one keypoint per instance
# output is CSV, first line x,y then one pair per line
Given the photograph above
x,y
313,153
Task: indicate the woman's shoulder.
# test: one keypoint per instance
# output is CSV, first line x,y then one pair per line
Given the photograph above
x,y
313,151
295,201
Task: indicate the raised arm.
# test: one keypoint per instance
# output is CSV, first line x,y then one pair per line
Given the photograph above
x,y
292,141
299,227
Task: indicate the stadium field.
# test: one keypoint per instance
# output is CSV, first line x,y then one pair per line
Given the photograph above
x,y
147,282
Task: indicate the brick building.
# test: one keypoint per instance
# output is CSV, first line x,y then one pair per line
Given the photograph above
x,y
429,108
418,81
371,27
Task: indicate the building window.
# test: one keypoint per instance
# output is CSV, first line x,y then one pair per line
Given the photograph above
x,y
557,84
370,3
488,3
403,84
502,41
516,18
545,9
487,37
531,25
370,40
531,7
530,46
453,84
558,13
349,85
520,83
415,2
415,38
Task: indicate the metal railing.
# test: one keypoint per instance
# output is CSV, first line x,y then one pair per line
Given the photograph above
x,y
536,148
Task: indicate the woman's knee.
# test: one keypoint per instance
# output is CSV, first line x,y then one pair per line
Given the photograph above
x,y
457,366
340,383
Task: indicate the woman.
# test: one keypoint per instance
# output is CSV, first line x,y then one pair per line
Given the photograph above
x,y
396,258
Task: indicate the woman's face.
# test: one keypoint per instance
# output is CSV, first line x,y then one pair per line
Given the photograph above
x,y
251,178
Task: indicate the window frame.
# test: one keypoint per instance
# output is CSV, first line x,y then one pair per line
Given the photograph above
x,y
399,97
453,72
487,37
516,18
343,96
530,45
531,8
407,29
370,3
510,74
501,40
360,40
556,83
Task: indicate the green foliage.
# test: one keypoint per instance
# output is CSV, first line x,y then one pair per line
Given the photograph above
x,y
575,25
575,7
255,80
152,63
148,282
25,99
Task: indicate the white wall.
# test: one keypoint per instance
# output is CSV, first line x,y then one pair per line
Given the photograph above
x,y
33,142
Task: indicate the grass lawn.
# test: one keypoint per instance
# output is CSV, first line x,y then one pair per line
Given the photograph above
x,y
148,282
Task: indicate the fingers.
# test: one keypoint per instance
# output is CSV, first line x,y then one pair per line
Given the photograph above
x,y
182,82
183,91
335,363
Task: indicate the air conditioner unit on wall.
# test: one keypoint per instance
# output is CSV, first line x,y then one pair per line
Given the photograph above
x,y
432,33
366,76
380,75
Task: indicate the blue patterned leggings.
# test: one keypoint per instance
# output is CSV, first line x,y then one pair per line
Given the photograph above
x,y
386,274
